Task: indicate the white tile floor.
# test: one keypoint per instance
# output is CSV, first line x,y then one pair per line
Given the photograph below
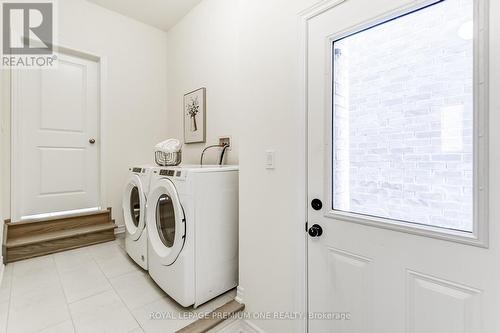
x,y
92,289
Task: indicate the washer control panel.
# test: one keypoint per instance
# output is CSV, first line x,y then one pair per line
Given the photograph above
x,y
172,173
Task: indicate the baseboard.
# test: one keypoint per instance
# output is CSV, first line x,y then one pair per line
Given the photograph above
x,y
241,325
237,326
120,230
2,269
234,326
239,295
251,327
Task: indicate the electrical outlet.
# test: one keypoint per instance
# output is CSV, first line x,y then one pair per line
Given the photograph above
x,y
225,140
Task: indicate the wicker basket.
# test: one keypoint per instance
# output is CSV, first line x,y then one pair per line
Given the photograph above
x,y
168,159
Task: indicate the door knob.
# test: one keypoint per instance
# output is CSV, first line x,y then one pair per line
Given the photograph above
x,y
91,141
316,204
315,230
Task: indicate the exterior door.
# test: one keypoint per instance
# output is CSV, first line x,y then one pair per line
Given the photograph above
x,y
403,234
56,138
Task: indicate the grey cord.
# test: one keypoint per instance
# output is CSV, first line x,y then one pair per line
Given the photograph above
x,y
204,150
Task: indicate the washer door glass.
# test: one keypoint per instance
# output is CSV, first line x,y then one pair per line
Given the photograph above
x,y
135,205
165,220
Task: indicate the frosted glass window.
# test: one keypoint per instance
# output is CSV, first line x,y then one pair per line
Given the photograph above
x,y
403,118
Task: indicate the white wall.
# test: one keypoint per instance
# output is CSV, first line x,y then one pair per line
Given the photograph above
x,y
202,52
271,202
5,142
135,116
246,53
3,81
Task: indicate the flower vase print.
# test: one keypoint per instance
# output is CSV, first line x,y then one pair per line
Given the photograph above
x,y
193,109
194,116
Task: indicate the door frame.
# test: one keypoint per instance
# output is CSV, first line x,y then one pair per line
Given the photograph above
x,y
302,284
15,160
481,231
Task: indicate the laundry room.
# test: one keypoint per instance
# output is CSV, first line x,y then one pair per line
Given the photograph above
x,y
249,166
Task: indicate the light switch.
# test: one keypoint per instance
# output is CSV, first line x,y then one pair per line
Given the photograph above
x,y
270,157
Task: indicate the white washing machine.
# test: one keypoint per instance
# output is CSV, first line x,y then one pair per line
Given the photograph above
x,y
134,214
192,222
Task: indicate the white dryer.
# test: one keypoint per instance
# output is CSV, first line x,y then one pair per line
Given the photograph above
x,y
192,223
134,214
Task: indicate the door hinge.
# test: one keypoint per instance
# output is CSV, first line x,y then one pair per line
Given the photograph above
x,y
307,227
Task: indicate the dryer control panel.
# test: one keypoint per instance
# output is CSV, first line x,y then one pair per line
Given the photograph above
x,y
172,173
168,173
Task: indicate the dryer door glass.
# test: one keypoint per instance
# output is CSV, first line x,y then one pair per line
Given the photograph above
x,y
135,205
165,220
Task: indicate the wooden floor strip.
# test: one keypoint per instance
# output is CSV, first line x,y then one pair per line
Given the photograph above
x,y
214,318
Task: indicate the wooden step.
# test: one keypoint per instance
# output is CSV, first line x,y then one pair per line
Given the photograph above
x,y
58,234
36,227
214,318
30,239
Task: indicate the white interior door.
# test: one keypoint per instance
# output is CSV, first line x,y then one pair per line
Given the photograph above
x,y
55,138
398,158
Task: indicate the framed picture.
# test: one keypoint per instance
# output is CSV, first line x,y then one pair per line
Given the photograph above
x,y
194,116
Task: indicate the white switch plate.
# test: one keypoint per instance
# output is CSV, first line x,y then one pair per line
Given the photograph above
x,y
270,159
